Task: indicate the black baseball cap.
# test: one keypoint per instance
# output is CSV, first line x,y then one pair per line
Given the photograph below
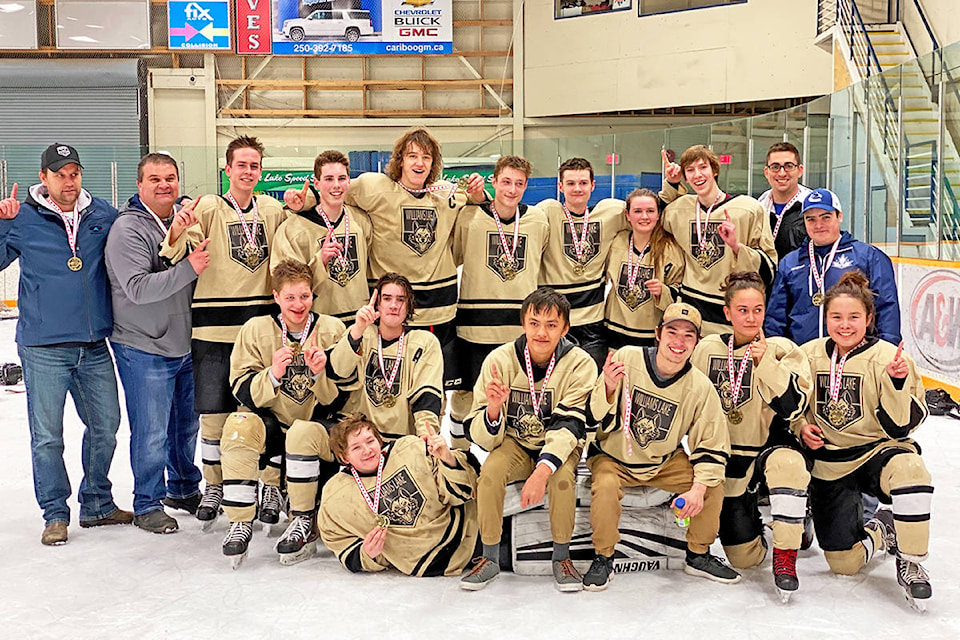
x,y
57,156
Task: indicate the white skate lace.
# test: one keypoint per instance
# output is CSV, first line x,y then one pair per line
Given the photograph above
x,y
239,532
299,529
912,572
212,496
272,498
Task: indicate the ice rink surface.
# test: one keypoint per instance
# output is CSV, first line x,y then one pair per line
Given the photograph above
x,y
121,582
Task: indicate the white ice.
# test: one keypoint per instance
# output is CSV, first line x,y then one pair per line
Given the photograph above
x,y
118,582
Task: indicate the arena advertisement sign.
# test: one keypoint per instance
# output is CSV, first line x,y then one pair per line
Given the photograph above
x,y
311,27
273,182
199,25
253,26
930,318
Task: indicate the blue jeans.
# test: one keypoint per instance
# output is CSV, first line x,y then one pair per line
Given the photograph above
x,y
163,425
85,371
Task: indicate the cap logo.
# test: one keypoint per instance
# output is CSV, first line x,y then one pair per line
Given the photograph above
x,y
64,151
684,312
815,197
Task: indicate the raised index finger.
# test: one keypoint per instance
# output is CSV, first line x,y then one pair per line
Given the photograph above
x,y
496,376
663,155
727,214
306,187
373,298
899,351
13,192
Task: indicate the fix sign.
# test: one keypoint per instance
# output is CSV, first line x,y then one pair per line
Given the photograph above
x,y
253,26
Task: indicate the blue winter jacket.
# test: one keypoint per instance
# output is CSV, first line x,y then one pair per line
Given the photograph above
x,y
791,312
56,304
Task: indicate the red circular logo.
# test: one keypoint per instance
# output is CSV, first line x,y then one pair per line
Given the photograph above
x,y
935,319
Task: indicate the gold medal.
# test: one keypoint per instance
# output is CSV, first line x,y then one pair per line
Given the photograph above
x,y
382,521
632,298
509,272
734,416
74,264
817,299
342,277
837,413
252,255
462,183
578,269
295,347
703,258
389,400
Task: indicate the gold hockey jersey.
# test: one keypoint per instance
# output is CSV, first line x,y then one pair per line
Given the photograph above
x,y
341,287
662,412
872,411
412,403
236,286
298,394
772,395
413,236
633,318
561,426
433,517
492,287
705,270
581,279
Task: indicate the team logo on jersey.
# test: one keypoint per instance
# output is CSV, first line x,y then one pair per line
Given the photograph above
x,y
497,260
297,381
720,377
521,417
419,228
650,418
343,269
249,255
713,249
847,409
639,294
376,384
591,248
401,499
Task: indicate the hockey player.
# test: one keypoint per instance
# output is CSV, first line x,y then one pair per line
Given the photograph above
x,y
395,372
647,400
719,233
413,214
529,413
278,373
868,400
233,289
500,245
407,504
783,201
645,266
333,239
764,385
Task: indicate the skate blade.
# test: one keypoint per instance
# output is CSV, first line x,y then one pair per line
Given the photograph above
x,y
784,595
305,553
236,561
207,525
920,606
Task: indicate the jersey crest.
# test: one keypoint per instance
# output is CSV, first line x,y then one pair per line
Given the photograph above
x,y
419,228
591,248
497,260
521,417
847,409
650,417
342,271
640,292
375,382
719,375
401,499
713,249
296,381
249,255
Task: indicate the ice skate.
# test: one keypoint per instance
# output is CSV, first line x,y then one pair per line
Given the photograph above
x,y
808,533
299,541
209,507
785,573
272,502
237,541
915,582
882,522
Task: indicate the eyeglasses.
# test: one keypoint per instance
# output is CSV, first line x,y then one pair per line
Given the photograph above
x,y
789,167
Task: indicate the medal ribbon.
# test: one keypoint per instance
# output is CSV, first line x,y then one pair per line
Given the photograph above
x,y
342,259
534,400
702,233
627,414
375,501
736,381
503,238
579,244
634,273
156,218
819,276
70,221
437,187
396,363
783,211
249,232
303,336
836,371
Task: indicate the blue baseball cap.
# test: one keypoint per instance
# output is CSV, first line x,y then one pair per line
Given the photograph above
x,y
821,199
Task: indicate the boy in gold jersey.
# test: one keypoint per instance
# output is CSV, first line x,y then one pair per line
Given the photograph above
x,y
237,230
500,245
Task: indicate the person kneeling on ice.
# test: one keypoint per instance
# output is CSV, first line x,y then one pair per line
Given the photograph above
x,y
408,504
869,399
279,374
647,400
532,434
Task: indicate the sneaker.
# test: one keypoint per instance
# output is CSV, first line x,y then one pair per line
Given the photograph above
x,y
785,569
238,538
478,573
54,534
299,532
271,504
567,577
117,516
710,567
882,523
209,507
156,521
599,574
914,579
188,504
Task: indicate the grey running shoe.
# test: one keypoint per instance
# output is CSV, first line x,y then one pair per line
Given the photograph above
x,y
478,573
567,577
707,566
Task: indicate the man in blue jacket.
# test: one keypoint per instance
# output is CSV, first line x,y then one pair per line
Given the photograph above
x,y
804,276
59,235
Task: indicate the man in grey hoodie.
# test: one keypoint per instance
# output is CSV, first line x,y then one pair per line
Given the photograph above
x,y
151,342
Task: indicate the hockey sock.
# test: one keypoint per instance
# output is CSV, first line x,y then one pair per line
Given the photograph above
x,y
561,551
491,552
